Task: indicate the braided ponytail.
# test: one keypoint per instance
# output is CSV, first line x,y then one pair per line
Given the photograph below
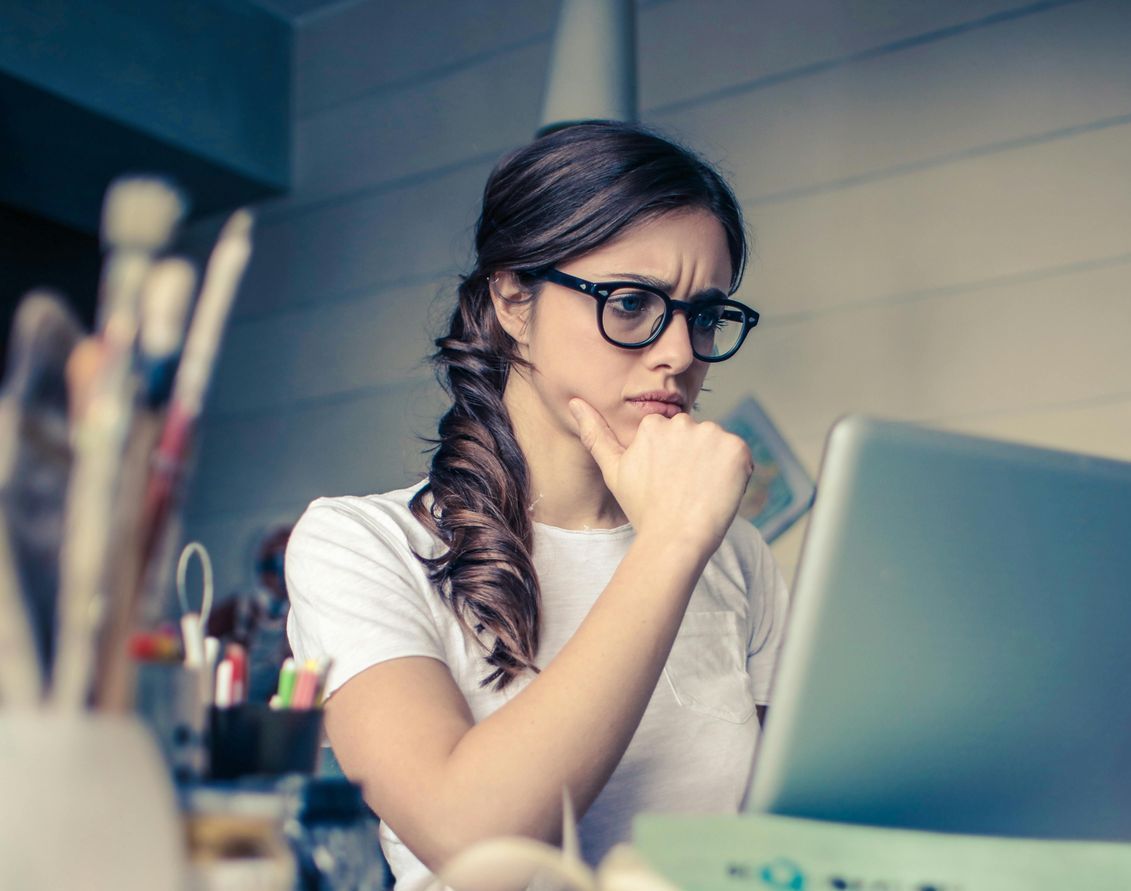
x,y
561,196
480,492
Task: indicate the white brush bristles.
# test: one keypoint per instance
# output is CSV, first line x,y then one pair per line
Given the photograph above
x,y
166,297
222,276
141,213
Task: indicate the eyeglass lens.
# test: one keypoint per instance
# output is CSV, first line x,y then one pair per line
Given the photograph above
x,y
630,317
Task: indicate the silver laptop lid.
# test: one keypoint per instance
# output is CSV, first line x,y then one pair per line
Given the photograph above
x,y
959,649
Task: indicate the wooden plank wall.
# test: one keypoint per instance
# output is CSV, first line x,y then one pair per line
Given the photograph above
x,y
939,193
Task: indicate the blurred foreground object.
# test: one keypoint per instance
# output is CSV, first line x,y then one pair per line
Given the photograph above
x,y
87,804
721,852
513,864
139,217
35,461
96,440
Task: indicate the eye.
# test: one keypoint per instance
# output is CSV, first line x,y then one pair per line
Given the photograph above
x,y
630,302
709,318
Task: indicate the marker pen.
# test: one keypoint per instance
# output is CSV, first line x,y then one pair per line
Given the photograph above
x,y
224,674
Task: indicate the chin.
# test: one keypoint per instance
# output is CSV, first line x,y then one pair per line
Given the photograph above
x,y
626,432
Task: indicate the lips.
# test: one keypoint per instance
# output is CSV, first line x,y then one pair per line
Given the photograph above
x,y
660,402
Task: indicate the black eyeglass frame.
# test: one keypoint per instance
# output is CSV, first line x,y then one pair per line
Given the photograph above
x,y
601,291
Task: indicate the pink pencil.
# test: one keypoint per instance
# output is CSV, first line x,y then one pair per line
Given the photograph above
x,y
305,686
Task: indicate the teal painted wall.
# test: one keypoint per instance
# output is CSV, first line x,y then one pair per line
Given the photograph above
x,y
196,88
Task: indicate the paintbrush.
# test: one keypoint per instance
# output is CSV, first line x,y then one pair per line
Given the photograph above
x,y
159,516
139,216
166,295
225,268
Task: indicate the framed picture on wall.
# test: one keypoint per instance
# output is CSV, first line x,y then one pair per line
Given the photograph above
x,y
781,490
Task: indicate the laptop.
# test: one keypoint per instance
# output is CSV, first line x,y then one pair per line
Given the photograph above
x,y
958,657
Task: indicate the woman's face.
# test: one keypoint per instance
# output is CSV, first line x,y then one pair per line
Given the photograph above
x,y
685,254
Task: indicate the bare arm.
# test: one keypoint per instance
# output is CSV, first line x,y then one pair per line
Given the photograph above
x,y
404,731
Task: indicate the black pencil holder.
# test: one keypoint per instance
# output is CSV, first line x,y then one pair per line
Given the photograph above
x,y
254,739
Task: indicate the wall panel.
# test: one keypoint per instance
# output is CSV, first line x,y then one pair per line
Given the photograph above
x,y
287,359
694,50
484,109
350,248
1032,209
1017,81
380,46
354,445
1055,342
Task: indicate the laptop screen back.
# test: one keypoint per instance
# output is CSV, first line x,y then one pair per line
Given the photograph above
x,y
959,648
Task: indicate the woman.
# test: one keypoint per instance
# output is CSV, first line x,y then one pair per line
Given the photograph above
x,y
567,600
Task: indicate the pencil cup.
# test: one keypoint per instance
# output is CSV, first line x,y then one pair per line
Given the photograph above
x,y
87,803
254,739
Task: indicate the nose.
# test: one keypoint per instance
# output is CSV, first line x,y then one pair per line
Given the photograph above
x,y
673,347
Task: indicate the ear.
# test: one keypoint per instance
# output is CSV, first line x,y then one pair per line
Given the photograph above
x,y
512,304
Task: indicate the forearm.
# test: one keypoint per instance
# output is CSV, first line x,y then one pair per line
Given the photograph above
x,y
570,727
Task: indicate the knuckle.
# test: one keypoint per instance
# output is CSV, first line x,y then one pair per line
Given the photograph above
x,y
732,446
738,446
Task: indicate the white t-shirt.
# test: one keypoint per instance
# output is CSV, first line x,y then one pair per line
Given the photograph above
x,y
359,596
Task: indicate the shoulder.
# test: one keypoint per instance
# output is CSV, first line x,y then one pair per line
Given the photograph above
x,y
351,521
364,549
358,590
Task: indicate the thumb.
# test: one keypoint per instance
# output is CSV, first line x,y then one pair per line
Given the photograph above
x,y
596,435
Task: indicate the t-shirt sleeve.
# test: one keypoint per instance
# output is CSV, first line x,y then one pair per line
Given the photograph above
x,y
770,606
359,596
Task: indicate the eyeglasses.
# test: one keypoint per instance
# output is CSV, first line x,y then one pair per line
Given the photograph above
x,y
633,315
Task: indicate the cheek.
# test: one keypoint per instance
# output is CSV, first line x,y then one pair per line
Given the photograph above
x,y
565,344
570,360
591,371
593,375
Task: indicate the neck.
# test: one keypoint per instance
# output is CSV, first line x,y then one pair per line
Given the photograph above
x,y
566,486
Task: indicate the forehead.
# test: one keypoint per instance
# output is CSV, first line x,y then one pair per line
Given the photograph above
x,y
686,248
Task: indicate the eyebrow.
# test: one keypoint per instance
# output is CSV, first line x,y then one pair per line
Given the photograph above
x,y
666,287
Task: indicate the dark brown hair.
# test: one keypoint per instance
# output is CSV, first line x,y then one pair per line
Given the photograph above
x,y
560,196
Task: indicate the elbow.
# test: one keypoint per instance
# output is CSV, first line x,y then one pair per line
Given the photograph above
x,y
437,842
444,848
438,847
